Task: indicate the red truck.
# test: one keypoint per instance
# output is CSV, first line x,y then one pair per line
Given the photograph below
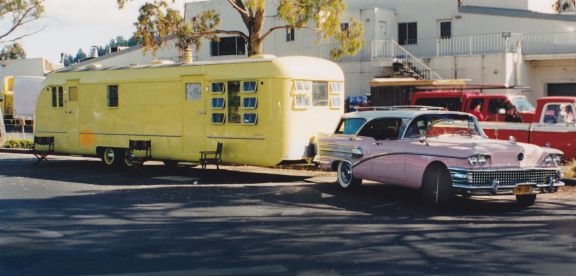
x,y
553,125
491,104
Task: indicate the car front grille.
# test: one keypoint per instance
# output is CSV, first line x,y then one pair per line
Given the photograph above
x,y
504,177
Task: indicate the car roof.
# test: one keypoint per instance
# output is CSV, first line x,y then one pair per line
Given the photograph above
x,y
399,112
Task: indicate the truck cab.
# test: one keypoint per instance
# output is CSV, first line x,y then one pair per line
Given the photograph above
x,y
492,104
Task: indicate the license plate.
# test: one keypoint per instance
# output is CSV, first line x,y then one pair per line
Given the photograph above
x,y
522,190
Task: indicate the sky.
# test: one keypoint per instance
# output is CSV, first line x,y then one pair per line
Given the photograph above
x,y
69,25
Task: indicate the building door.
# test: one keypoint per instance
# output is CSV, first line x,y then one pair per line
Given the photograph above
x,y
194,115
382,31
561,89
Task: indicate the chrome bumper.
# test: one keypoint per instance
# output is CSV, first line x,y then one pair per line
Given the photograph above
x,y
504,181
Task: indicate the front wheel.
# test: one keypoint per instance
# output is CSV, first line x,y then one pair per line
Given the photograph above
x,y
437,185
525,200
345,178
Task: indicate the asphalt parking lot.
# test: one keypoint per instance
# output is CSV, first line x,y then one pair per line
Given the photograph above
x,y
72,216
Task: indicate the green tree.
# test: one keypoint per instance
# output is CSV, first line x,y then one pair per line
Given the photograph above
x,y
13,51
157,21
14,14
80,55
563,5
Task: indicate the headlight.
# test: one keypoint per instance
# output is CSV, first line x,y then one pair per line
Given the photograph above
x,y
552,160
479,160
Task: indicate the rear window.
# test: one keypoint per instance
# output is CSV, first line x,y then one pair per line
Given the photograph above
x,y
349,126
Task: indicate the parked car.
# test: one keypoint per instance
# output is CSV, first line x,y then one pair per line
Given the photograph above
x,y
440,153
554,125
490,104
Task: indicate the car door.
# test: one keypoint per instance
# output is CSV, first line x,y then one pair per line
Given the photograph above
x,y
385,161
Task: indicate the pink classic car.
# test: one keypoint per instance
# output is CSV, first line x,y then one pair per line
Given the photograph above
x,y
440,153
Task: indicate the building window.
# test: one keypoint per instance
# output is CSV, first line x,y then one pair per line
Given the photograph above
x,y
227,46
445,29
407,33
289,34
112,95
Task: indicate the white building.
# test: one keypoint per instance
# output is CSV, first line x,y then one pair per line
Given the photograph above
x,y
506,43
512,43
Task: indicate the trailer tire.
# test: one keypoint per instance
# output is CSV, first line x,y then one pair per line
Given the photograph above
x,y
112,157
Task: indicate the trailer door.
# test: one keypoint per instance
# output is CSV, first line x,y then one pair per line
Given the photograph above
x,y
194,115
71,112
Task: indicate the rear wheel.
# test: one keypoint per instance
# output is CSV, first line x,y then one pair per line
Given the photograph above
x,y
113,157
437,185
525,200
345,178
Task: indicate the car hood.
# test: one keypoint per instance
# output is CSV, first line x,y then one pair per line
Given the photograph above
x,y
502,153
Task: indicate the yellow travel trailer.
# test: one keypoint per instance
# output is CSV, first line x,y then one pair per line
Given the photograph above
x,y
265,110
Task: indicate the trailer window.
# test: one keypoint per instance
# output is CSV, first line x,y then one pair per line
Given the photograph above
x,y
249,118
302,91
336,88
57,96
249,103
112,95
319,93
217,118
217,103
72,94
193,91
234,102
335,102
249,86
217,87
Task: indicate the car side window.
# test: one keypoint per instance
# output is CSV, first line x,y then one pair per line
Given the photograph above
x,y
382,129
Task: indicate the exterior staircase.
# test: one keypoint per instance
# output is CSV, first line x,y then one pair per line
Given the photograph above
x,y
404,64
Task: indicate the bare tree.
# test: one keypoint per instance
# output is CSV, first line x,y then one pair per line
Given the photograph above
x,y
17,13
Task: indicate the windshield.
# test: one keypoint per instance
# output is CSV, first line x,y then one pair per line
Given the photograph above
x,y
522,104
444,126
349,126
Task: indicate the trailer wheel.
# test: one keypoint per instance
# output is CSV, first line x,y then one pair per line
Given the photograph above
x,y
113,157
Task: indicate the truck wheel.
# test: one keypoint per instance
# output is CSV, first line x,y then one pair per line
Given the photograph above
x,y
345,178
436,186
525,200
113,157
